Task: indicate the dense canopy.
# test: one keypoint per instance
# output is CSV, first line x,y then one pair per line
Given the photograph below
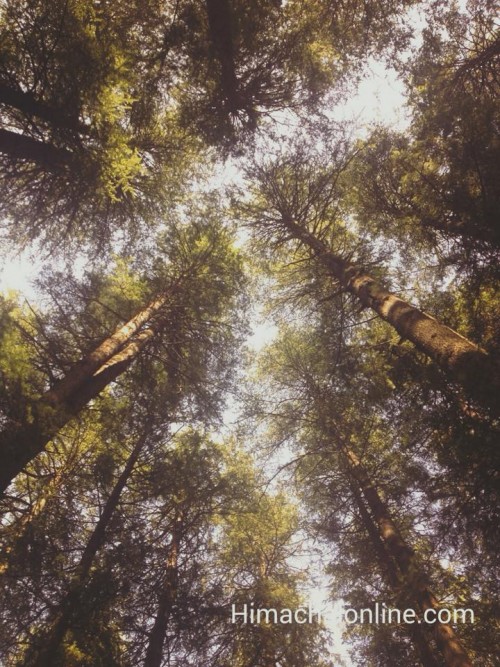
x,y
255,377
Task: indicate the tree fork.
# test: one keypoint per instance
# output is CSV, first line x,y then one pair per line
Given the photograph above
x,y
89,364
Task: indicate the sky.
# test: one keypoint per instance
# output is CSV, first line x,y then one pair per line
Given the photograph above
x,y
379,99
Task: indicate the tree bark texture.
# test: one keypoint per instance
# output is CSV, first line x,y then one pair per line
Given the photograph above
x,y
389,571
452,650
166,600
20,443
466,363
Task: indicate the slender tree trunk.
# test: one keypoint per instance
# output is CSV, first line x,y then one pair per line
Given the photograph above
x,y
265,653
22,147
20,443
453,652
465,362
68,609
22,526
219,22
166,601
389,570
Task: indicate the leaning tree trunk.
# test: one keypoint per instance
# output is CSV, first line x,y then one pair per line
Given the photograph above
x,y
24,148
87,366
50,490
32,107
166,600
70,605
452,650
20,443
466,363
389,572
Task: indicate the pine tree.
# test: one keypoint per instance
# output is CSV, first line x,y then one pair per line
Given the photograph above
x,y
176,310
300,198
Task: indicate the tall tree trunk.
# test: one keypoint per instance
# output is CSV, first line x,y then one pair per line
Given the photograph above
x,y
22,526
20,443
166,600
68,609
453,652
30,106
219,22
390,573
22,147
465,362
89,364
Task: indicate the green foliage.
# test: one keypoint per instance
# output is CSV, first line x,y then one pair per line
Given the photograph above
x,y
438,180
146,506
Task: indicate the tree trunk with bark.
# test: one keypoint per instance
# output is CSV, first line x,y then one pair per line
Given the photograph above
x,y
20,443
31,107
452,650
24,148
466,363
22,526
219,22
69,607
389,571
166,599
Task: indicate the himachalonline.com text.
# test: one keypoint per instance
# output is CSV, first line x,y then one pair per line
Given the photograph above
x,y
379,614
